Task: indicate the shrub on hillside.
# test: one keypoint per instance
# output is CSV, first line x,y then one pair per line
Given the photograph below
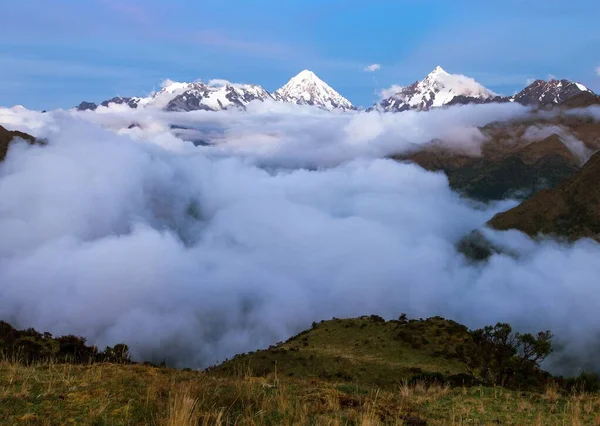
x,y
504,358
586,382
376,318
28,346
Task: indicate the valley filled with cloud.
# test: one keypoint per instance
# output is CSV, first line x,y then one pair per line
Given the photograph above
x,y
199,235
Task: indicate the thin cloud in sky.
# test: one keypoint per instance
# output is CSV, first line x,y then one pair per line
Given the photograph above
x,y
372,68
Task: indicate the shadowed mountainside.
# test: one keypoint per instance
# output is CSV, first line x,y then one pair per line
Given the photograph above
x,y
7,136
571,210
517,158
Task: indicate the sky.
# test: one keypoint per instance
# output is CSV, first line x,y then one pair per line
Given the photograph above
x,y
56,54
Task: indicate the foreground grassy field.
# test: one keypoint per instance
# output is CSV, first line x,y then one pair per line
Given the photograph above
x,y
361,371
108,394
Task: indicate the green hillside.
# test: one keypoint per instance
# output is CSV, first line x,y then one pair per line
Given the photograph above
x,y
365,350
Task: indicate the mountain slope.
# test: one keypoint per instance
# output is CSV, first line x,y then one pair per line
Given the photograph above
x,y
570,210
439,88
308,89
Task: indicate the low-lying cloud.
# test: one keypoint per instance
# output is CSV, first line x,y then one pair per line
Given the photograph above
x,y
193,254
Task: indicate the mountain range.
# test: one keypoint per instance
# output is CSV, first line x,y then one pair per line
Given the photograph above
x,y
303,89
438,89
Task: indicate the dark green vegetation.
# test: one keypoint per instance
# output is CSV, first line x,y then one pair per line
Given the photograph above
x,y
476,247
7,137
486,180
363,371
30,346
572,210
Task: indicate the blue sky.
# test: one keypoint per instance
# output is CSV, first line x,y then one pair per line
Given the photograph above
x,y
58,53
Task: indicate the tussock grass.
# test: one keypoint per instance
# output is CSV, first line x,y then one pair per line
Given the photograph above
x,y
109,394
182,409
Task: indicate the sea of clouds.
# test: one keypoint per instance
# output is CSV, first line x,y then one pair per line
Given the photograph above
x,y
290,215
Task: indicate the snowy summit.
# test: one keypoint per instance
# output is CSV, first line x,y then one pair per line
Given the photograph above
x,y
308,89
435,90
219,95
542,92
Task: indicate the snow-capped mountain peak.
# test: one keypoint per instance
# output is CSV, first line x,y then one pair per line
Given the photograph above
x,y
217,95
435,90
437,71
542,92
308,89
304,76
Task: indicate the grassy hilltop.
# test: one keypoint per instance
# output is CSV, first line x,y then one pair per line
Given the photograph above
x,y
362,371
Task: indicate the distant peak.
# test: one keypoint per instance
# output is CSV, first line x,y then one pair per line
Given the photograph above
x,y
538,81
306,74
305,88
438,70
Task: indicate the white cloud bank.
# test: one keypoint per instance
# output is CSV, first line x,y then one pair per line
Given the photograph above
x,y
194,254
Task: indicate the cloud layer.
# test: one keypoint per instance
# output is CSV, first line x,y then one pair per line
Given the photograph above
x,y
194,254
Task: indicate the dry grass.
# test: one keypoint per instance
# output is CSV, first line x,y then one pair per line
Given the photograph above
x,y
105,394
182,409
